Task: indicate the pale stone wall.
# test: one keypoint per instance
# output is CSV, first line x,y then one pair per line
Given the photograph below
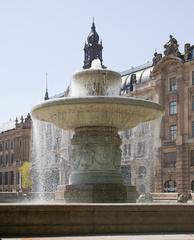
x,y
14,151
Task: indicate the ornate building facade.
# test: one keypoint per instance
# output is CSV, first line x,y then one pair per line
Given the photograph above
x,y
169,81
14,151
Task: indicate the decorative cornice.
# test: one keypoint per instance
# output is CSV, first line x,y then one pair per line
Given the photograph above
x,y
165,62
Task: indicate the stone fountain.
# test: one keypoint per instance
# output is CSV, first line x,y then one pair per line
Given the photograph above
x,y
96,113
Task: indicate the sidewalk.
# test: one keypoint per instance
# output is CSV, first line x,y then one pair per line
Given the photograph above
x,y
118,237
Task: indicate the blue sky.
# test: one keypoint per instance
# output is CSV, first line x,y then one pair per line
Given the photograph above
x,y
39,36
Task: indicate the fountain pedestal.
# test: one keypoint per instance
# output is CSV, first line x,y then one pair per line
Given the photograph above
x,y
95,163
96,156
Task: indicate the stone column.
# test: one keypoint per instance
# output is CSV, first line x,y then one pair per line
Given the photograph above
x,y
96,156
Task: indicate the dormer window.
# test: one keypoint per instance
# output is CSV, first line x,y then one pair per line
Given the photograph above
x,y
172,84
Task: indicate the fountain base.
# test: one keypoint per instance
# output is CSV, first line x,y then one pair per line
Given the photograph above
x,y
96,193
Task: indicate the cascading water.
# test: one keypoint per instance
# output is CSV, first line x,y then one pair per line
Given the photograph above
x,y
140,155
50,156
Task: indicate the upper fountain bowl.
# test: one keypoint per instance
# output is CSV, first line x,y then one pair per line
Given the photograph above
x,y
95,82
94,101
120,112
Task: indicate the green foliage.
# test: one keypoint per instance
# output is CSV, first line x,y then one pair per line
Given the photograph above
x,y
26,175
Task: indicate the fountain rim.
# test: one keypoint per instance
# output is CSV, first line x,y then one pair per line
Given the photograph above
x,y
96,70
98,99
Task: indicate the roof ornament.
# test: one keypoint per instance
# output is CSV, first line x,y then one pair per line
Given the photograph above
x,y
157,57
171,47
46,97
187,51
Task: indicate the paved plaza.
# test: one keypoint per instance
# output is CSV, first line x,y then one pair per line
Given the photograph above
x,y
118,237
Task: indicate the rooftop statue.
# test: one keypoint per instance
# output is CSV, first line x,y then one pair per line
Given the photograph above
x,y
157,57
171,47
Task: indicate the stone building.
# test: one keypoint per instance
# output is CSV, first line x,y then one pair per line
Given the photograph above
x,y
14,150
169,81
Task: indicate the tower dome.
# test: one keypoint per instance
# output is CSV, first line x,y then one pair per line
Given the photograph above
x,y
92,49
93,36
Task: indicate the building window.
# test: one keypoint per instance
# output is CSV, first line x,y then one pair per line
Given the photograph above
x,y
170,160
1,147
192,157
172,84
192,103
1,180
12,178
173,132
126,150
6,159
172,108
6,178
192,128
140,148
12,158
6,146
192,186
126,174
170,186
192,77
18,178
142,171
1,160
11,144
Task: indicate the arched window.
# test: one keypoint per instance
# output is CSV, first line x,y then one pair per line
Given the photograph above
x,y
142,188
142,171
170,186
126,174
192,186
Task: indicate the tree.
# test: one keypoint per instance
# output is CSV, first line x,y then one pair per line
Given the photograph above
x,y
25,171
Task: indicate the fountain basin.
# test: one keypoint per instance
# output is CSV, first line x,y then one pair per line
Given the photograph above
x,y
38,220
119,112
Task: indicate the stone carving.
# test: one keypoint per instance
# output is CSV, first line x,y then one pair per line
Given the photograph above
x,y
83,157
184,197
98,154
88,157
103,157
157,57
171,47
